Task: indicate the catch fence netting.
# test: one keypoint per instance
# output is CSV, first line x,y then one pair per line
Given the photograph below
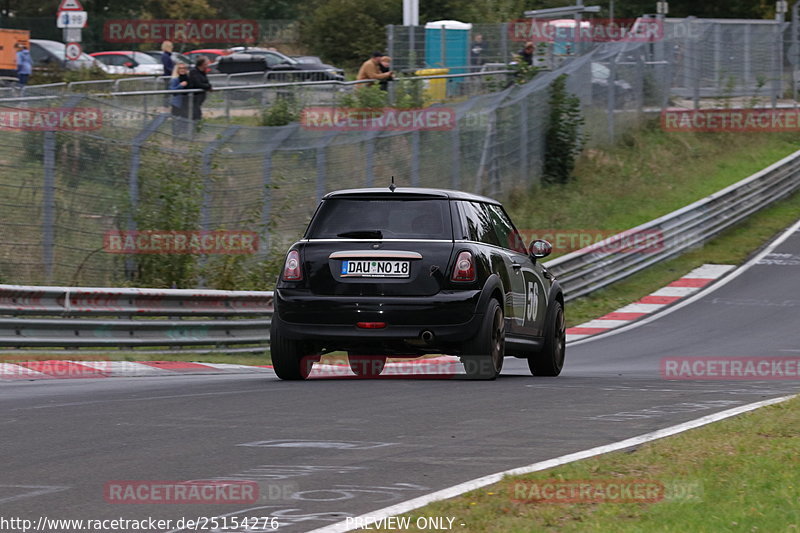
x,y
65,193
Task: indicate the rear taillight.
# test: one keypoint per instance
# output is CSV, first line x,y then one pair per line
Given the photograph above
x,y
371,325
291,269
464,269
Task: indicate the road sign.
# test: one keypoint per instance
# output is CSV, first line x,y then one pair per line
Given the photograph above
x,y
73,51
72,19
71,35
70,5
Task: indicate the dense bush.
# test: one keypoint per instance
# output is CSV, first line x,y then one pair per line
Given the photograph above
x,y
565,138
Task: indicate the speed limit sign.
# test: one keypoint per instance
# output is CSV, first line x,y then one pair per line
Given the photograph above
x,y
73,51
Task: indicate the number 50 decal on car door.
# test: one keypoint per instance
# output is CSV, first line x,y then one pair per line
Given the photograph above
x,y
532,301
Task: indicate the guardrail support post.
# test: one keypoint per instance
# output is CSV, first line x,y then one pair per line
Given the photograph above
x,y
49,205
455,157
369,149
504,43
415,156
412,55
611,90
390,41
322,161
523,141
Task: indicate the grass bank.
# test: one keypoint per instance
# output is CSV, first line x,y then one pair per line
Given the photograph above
x,y
647,174
650,173
740,474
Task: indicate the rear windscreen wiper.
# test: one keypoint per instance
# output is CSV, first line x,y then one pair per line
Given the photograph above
x,y
362,234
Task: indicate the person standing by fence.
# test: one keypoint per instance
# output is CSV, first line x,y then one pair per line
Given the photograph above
x,y
178,102
386,66
166,58
198,79
371,70
526,54
478,51
24,65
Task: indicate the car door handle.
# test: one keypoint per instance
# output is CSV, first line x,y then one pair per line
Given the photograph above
x,y
516,266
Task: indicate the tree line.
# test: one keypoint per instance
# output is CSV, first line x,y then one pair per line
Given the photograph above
x,y
345,31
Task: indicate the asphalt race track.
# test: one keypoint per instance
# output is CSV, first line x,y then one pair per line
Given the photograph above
x,y
325,449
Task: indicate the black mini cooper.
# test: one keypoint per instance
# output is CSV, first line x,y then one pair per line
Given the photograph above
x,y
406,272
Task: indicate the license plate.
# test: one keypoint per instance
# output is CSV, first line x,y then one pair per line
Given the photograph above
x,y
375,269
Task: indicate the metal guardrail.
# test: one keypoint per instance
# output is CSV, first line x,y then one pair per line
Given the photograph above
x,y
188,320
589,269
184,320
223,82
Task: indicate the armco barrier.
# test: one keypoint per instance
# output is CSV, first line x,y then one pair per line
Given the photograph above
x,y
203,320
589,269
191,320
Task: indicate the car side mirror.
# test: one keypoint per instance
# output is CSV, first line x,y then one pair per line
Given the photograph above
x,y
540,248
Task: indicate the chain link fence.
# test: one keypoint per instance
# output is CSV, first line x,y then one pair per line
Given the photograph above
x,y
62,193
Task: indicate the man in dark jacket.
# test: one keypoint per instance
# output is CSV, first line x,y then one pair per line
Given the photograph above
x,y
198,80
166,58
526,54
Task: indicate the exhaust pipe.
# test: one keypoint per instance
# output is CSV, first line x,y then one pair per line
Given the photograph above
x,y
427,336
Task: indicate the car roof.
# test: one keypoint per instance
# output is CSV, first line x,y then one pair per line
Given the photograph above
x,y
114,53
411,191
206,50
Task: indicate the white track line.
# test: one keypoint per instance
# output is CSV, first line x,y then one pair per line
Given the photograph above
x,y
675,291
708,290
709,271
458,490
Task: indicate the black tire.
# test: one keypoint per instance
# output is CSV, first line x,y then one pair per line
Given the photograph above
x,y
366,366
550,360
483,354
289,358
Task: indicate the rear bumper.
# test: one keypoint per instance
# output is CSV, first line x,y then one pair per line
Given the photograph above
x,y
450,316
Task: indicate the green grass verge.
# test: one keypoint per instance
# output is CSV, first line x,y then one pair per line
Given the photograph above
x,y
740,474
732,247
649,173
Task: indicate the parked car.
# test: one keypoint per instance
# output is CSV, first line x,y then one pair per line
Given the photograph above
x,y
131,62
211,53
49,54
405,272
156,54
261,60
314,60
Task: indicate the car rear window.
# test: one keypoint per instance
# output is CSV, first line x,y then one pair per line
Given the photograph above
x,y
378,218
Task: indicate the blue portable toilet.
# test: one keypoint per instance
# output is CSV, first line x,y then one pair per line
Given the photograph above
x,y
447,45
564,43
